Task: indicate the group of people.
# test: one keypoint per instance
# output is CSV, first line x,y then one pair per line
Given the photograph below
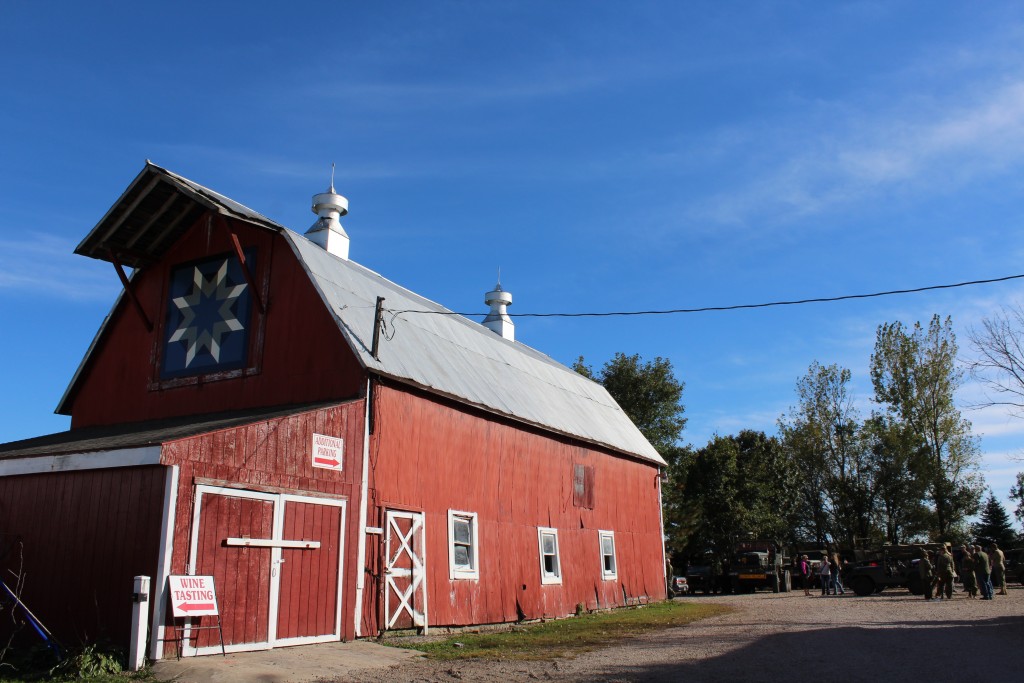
x,y
829,574
980,572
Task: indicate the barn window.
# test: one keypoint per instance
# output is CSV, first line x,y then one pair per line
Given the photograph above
x,y
550,567
583,486
609,568
463,555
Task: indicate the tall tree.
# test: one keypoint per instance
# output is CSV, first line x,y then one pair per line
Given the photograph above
x,y
648,392
994,523
900,494
915,377
823,434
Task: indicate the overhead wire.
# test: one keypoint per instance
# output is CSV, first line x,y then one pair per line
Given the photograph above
x,y
734,307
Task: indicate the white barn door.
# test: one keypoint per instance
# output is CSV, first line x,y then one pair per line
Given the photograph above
x,y
405,585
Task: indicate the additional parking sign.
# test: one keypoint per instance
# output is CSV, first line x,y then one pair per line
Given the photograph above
x,y
328,452
193,596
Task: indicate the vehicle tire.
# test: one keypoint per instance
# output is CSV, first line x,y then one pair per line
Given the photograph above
x,y
773,583
915,586
787,581
862,586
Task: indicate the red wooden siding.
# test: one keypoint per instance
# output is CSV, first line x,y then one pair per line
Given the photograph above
x,y
274,456
120,384
432,456
84,535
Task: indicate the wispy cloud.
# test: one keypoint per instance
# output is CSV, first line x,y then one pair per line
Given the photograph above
x,y
37,264
944,148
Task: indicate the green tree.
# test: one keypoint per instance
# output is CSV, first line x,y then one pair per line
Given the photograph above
x,y
994,524
735,487
899,494
914,375
648,392
823,435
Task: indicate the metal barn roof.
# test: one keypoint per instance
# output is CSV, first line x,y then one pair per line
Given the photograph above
x,y
433,348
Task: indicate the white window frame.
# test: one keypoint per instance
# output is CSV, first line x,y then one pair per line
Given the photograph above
x,y
473,571
547,577
614,573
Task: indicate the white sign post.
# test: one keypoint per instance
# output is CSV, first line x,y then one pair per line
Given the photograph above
x,y
140,610
328,452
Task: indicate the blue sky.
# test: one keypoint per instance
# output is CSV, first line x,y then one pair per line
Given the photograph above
x,y
605,155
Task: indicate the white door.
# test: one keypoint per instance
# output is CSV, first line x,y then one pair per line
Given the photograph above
x,y
405,586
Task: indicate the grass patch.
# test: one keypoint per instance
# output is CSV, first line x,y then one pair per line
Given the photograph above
x,y
566,637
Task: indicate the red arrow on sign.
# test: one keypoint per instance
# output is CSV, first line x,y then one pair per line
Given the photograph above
x,y
327,461
192,606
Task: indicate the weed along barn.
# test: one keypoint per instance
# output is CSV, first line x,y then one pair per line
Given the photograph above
x,y
340,454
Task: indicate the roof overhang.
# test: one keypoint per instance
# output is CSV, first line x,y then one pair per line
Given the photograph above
x,y
155,210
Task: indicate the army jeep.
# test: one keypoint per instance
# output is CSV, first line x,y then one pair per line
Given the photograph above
x,y
759,564
887,567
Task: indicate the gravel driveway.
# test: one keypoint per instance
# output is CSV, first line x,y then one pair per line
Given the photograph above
x,y
892,636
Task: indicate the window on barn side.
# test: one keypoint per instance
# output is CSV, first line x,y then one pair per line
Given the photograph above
x,y
463,545
609,567
583,486
550,566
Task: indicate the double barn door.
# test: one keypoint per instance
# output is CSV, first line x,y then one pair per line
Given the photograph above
x,y
276,560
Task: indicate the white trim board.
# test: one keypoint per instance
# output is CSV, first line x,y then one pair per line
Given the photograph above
x,y
94,460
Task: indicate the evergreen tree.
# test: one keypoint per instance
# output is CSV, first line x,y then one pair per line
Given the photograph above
x,y
994,524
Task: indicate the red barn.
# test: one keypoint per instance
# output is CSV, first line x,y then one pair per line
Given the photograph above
x,y
342,455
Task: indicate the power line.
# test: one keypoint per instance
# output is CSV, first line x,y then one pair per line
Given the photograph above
x,y
736,307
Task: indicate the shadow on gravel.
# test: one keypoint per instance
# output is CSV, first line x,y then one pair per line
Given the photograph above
x,y
933,651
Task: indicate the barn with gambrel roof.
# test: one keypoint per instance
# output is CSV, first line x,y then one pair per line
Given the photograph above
x,y
342,455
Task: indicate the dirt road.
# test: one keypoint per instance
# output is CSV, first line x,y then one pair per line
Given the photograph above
x,y
780,637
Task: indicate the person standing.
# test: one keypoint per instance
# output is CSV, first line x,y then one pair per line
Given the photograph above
x,y
836,576
945,572
998,560
924,570
983,572
805,574
967,572
824,574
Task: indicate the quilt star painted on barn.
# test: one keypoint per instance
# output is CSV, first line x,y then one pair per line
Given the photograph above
x,y
207,316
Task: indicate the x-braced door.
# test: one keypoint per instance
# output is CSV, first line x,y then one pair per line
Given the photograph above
x,y
405,586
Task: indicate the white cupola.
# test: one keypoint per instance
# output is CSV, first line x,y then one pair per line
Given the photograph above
x,y
497,319
327,231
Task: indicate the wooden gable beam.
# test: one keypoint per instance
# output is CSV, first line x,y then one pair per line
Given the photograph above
x,y
130,290
245,266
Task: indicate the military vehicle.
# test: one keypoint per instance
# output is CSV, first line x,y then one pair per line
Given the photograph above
x,y
887,567
1014,566
759,564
